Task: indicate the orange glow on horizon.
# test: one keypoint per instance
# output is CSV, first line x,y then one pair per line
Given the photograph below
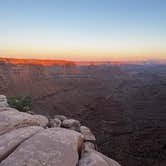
x,y
35,61
54,62
45,62
85,55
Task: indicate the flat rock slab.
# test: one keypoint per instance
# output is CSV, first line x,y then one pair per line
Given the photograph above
x,y
10,140
12,119
50,147
94,158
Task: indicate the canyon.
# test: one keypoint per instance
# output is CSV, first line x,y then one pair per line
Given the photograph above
x,y
123,104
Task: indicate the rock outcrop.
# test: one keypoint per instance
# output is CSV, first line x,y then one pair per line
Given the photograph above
x,y
33,140
52,147
86,132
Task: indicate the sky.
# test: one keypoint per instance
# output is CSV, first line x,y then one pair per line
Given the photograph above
x,y
83,30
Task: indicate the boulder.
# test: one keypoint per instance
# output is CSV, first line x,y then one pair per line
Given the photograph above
x,y
3,101
86,132
71,123
10,140
110,161
87,147
94,158
50,147
12,119
60,117
54,122
40,120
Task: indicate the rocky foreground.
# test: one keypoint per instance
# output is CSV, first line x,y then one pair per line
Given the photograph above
x,y
34,140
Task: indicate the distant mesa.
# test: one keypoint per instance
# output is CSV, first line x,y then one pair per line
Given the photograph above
x,y
35,61
46,62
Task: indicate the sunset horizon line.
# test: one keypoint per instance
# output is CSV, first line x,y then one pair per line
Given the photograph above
x,y
81,62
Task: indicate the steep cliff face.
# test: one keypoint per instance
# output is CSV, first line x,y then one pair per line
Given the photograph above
x,y
33,140
30,79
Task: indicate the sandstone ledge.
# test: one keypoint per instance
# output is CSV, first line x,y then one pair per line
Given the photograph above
x,y
33,140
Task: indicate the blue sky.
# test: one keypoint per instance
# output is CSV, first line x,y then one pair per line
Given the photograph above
x,y
83,29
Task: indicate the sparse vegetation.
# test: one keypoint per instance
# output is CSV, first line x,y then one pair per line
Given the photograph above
x,y
22,103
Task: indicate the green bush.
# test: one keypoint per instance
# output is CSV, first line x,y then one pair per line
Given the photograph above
x,y
21,103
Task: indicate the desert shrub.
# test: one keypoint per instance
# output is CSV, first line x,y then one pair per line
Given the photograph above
x,y
21,103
